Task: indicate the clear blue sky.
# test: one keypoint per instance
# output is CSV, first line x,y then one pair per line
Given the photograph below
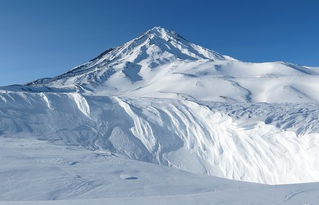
x,y
42,38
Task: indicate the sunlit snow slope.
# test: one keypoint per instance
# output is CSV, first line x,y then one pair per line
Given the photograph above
x,y
161,63
161,99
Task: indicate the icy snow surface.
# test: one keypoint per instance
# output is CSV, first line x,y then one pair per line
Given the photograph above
x,y
35,172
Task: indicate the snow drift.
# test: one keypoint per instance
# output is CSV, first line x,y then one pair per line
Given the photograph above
x,y
192,136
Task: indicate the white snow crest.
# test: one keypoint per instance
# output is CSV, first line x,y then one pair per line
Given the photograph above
x,y
81,103
142,130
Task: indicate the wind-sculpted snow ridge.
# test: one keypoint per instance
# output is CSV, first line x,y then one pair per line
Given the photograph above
x,y
299,118
208,139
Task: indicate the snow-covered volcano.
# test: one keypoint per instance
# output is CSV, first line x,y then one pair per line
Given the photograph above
x,y
162,99
137,60
161,63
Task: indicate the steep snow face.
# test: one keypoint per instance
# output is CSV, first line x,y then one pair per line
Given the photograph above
x,y
161,63
258,143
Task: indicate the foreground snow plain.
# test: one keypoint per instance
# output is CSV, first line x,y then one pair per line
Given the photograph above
x,y
37,172
157,120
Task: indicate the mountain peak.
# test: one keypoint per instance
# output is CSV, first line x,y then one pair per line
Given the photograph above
x,y
160,63
158,29
157,47
165,33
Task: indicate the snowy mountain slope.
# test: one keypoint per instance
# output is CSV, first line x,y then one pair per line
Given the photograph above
x,y
161,63
252,143
162,99
73,175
